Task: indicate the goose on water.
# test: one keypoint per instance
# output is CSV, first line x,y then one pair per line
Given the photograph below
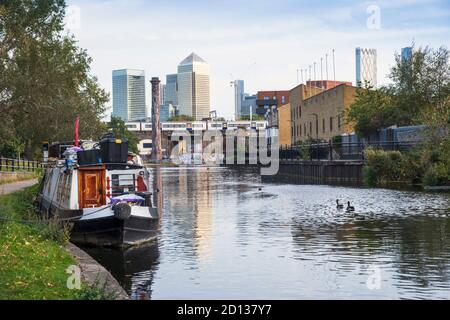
x,y
350,208
339,206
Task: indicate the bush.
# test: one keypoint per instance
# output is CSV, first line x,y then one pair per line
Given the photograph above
x,y
386,166
337,139
428,163
436,175
369,176
382,165
412,166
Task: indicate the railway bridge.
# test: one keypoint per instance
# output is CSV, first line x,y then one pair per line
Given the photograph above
x,y
179,131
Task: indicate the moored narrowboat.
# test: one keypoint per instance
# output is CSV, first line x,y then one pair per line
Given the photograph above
x,y
102,191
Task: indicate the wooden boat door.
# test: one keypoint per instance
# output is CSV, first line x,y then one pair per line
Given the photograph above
x,y
91,187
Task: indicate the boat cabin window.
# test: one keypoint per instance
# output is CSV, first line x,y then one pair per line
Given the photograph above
x,y
123,183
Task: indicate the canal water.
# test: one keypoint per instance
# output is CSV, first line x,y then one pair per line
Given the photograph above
x,y
225,235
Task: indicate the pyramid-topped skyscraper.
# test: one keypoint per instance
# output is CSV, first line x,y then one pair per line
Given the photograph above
x,y
191,59
193,87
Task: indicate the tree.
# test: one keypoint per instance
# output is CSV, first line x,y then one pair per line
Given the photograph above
x,y
119,129
372,110
45,80
422,84
419,94
257,117
181,118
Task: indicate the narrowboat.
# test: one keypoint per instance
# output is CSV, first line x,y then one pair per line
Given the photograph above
x,y
101,191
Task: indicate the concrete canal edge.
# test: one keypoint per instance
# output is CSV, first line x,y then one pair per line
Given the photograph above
x,y
438,188
95,274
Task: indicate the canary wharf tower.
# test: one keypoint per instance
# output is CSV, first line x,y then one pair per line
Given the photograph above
x,y
193,87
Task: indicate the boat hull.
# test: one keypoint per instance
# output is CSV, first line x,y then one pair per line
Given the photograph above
x,y
113,232
99,226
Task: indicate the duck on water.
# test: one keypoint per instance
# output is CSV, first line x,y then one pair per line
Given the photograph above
x,y
102,191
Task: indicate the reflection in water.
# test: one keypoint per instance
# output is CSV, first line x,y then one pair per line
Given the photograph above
x,y
204,217
134,267
158,190
224,235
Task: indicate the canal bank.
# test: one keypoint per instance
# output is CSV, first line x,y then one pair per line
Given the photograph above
x,y
95,275
34,257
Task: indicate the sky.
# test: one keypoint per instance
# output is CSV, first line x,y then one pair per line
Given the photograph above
x,y
263,42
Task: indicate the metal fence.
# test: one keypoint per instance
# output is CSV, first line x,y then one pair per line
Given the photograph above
x,y
330,151
319,173
15,165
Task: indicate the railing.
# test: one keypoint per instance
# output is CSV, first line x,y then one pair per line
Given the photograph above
x,y
339,151
15,165
318,173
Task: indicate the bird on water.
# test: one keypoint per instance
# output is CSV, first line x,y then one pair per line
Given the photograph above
x,y
339,206
350,208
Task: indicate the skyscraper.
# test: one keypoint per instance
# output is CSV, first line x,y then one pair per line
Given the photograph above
x,y
162,97
193,87
238,98
171,90
366,67
407,53
129,95
247,102
168,111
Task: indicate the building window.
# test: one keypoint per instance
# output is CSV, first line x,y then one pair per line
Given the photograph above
x,y
331,124
266,98
300,130
304,129
323,125
283,99
300,111
339,123
310,128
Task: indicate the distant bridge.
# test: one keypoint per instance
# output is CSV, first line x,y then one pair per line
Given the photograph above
x,y
198,126
143,130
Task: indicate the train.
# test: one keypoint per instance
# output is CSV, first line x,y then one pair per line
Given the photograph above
x,y
198,126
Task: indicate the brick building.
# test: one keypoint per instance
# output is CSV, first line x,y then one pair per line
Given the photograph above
x,y
320,115
267,100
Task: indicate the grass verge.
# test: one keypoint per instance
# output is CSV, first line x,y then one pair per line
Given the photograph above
x,y
33,260
10,178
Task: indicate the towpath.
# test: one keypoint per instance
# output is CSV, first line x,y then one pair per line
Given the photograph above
x,y
16,186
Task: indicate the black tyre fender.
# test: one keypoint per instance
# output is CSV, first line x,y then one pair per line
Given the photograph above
x,y
122,211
